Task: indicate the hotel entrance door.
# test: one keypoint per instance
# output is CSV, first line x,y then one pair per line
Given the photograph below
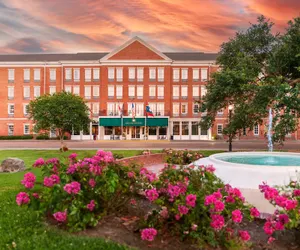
x,y
135,132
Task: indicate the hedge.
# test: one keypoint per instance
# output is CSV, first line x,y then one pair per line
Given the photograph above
x,y
16,137
46,137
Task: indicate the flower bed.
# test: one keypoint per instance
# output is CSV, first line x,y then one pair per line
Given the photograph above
x,y
143,160
181,157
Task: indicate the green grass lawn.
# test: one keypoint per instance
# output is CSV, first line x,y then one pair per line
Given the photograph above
x,y
22,226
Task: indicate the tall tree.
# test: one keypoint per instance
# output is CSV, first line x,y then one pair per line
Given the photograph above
x,y
62,111
258,70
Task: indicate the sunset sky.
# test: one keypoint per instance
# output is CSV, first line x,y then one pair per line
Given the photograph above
x,y
48,26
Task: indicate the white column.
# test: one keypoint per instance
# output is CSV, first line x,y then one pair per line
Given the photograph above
x,y
81,132
209,134
91,126
190,130
180,130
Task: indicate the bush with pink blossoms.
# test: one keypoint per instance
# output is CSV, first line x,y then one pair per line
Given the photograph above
x,y
287,200
196,205
181,157
80,192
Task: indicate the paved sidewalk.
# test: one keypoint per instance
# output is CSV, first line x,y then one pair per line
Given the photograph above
x,y
206,145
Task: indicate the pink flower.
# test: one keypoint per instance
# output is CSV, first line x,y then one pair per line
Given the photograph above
x,y
296,192
290,204
230,199
39,162
217,222
174,190
91,205
48,182
72,188
284,219
148,234
60,216
36,195
191,200
254,212
151,194
219,206
133,202
177,217
270,240
92,183
244,235
72,169
72,156
194,227
130,174
183,209
22,198
218,195
237,216
280,200
210,169
55,178
268,228
164,213
209,199
279,226
151,177
29,180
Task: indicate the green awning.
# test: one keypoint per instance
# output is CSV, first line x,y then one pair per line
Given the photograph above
x,y
128,122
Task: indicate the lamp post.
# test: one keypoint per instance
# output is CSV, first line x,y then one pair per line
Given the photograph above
x,y
230,108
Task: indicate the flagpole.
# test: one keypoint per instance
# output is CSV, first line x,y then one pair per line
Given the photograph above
x,y
146,126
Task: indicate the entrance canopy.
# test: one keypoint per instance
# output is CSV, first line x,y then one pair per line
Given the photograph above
x,y
137,122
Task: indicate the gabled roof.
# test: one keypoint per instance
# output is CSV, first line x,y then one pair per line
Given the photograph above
x,y
132,49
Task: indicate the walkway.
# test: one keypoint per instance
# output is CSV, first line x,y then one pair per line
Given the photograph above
x,y
205,145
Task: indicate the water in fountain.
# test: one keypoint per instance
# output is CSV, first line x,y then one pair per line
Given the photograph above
x,y
270,142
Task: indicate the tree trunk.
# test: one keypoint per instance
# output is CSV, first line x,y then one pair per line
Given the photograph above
x,y
61,138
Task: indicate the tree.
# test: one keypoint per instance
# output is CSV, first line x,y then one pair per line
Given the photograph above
x,y
258,70
62,111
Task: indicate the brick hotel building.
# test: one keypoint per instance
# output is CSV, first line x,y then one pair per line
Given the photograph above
x,y
133,75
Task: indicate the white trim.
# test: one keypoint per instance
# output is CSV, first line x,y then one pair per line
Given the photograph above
x,y
12,118
129,42
135,62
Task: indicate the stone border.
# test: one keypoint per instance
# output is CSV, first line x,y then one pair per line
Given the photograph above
x,y
145,160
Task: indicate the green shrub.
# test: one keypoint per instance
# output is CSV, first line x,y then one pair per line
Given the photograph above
x,y
181,157
42,137
16,137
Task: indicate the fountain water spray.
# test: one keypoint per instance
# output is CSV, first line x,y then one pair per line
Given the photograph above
x,y
270,142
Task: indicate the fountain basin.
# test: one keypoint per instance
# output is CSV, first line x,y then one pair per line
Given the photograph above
x,y
250,169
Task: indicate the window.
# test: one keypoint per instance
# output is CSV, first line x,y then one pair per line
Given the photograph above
x,y
11,75
76,75
152,92
87,75
111,91
25,109
196,93
96,91
26,92
203,91
53,133
140,92
52,75
37,75
52,90
220,112
152,74
11,93
95,108
139,109
36,91
140,74
204,131
175,92
195,75
160,109
87,92
131,109
184,108
185,128
76,90
176,128
152,106
68,74
152,131
11,109
184,75
175,75
161,74
119,92
196,108
220,129
195,128
162,131
96,74
160,92
110,109
131,74
119,74
184,92
68,89
108,130
256,130
203,75
111,74
10,129
244,131
131,91
26,75
26,129
175,109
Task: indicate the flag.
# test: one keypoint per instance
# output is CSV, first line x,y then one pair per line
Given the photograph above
x,y
149,111
120,109
132,110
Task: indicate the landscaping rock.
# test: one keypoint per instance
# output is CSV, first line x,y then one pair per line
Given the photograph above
x,y
12,165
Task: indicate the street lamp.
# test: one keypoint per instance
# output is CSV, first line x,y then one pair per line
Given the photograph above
x,y
230,108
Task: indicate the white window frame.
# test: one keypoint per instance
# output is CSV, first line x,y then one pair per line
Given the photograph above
x,y
140,92
68,88
87,74
131,91
131,74
161,74
24,129
176,105
96,74
204,74
11,92
152,91
76,74
111,74
25,109
175,92
11,109
160,92
96,91
203,91
68,74
26,75
52,75
256,127
152,74
198,109
36,91
111,108
11,75
184,74
196,74
220,112
219,126
119,74
176,74
140,74
8,129
119,91
160,109
25,92
37,75
186,110
52,90
139,109
88,92
196,92
184,92
95,108
111,91
76,90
